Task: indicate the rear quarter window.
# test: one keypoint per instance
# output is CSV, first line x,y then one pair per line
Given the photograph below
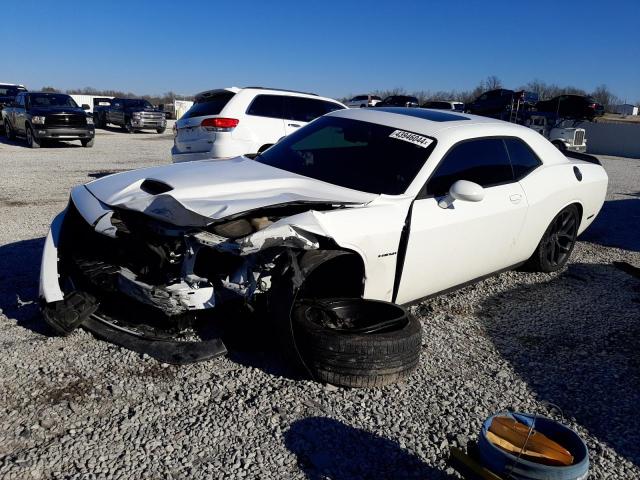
x,y
523,159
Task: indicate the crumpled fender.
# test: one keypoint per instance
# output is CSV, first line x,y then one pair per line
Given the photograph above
x,y
50,289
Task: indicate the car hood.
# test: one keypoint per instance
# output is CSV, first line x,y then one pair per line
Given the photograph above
x,y
199,193
55,110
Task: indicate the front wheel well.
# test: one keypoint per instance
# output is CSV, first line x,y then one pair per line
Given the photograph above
x,y
340,275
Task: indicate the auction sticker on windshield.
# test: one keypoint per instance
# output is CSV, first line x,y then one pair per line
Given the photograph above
x,y
414,138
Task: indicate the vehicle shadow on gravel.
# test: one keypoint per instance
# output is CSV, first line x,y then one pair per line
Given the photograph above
x,y
328,448
52,144
617,224
19,272
574,340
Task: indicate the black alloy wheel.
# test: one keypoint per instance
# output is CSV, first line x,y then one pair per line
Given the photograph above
x,y
562,237
557,243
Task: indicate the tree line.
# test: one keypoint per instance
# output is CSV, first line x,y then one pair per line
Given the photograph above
x,y
601,94
167,97
545,91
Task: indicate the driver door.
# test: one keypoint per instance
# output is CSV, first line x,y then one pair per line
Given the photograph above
x,y
115,114
449,247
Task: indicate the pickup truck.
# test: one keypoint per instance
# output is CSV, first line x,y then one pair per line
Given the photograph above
x,y
39,116
131,114
8,93
500,102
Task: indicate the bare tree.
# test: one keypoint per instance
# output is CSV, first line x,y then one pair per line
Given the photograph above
x,y
492,82
603,95
49,89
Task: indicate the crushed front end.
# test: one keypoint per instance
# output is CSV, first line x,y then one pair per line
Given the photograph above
x,y
149,285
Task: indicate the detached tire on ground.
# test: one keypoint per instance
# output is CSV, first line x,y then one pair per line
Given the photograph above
x,y
356,342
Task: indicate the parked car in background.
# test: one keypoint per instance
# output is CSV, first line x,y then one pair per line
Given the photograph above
x,y
399,101
235,121
8,93
442,105
561,134
39,116
131,114
571,106
362,101
498,103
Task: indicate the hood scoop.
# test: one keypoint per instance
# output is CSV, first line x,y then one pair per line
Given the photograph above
x,y
155,187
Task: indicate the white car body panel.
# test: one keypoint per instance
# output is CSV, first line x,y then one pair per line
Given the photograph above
x,y
445,247
210,190
439,236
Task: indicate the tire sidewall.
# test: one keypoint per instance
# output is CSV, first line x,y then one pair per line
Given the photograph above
x,y
545,264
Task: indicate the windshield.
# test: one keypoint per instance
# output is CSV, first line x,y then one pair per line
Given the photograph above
x,y
358,155
51,100
137,103
10,90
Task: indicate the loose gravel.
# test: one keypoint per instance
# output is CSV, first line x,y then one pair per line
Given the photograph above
x,y
80,408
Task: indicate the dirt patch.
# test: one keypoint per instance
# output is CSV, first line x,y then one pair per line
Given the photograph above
x,y
73,391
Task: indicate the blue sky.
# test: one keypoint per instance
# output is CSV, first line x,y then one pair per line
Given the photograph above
x,y
332,48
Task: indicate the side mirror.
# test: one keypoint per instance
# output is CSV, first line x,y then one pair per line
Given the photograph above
x,y
86,107
463,190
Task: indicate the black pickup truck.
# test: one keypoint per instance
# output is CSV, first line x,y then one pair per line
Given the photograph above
x,y
39,116
131,114
8,93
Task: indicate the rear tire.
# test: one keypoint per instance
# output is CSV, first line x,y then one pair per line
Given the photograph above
x,y
357,359
87,143
161,130
554,250
32,141
128,127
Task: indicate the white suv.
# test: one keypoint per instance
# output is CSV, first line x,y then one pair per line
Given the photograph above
x,y
236,121
362,101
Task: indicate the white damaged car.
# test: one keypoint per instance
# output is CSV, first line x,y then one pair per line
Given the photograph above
x,y
386,204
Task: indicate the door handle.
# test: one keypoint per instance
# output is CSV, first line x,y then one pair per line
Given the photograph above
x,y
515,198
293,125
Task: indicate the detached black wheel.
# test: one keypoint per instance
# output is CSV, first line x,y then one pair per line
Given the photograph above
x,y
32,141
557,243
356,342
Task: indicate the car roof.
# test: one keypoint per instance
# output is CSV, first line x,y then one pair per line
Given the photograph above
x,y
423,120
265,90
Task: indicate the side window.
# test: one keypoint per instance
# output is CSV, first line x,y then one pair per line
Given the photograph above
x,y
20,100
484,161
305,109
331,107
267,106
523,159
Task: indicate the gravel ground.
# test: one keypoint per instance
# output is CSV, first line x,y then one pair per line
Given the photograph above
x,y
78,408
